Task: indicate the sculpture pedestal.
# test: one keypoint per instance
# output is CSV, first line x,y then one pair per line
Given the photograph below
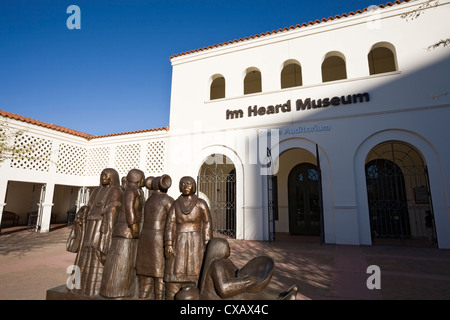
x,y
62,293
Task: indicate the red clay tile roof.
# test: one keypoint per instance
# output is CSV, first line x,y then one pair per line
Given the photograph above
x,y
389,4
132,132
14,116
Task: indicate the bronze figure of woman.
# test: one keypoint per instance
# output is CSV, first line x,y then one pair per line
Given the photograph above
x,y
103,208
150,261
188,229
119,278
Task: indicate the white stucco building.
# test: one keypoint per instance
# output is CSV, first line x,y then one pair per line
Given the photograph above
x,y
335,128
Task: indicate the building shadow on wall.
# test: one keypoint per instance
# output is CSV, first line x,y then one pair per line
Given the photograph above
x,y
424,87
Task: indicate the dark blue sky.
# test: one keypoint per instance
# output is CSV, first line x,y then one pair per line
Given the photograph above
x,y
114,74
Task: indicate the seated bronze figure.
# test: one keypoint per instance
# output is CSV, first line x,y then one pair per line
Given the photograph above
x,y
221,279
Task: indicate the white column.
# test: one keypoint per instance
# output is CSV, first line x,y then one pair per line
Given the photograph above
x,y
265,207
46,214
3,189
344,199
252,210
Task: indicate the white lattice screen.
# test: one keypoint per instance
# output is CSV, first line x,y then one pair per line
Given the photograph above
x,y
71,159
36,153
97,159
82,161
127,158
156,153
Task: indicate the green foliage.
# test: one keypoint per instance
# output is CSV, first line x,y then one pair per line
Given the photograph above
x,y
414,14
9,149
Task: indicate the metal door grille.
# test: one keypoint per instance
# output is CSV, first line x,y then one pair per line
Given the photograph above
x,y
388,205
304,200
398,192
218,188
82,198
71,212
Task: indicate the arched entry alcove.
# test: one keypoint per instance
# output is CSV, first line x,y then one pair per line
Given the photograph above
x,y
217,186
435,167
398,194
297,156
304,199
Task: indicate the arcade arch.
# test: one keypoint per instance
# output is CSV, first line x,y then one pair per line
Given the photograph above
x,y
217,186
398,193
436,186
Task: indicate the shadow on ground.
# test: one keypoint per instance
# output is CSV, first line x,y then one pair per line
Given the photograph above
x,y
19,242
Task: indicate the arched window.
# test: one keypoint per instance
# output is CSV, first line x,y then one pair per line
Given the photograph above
x,y
381,58
252,81
291,75
333,67
217,89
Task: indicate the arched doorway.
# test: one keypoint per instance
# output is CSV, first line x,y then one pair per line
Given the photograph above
x,y
398,194
217,186
387,199
304,201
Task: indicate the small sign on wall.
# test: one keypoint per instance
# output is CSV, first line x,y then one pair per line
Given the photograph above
x,y
421,195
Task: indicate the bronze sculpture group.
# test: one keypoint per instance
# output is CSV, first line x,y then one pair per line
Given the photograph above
x,y
159,248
